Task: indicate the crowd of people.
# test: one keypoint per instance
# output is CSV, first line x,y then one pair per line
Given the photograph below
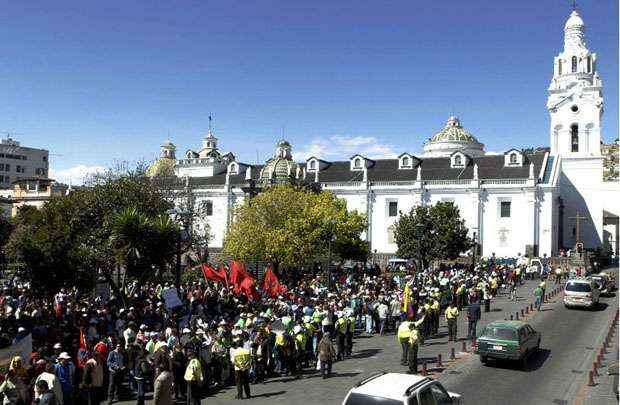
x,y
86,350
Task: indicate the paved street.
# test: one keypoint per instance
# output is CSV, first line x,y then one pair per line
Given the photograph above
x,y
557,375
372,354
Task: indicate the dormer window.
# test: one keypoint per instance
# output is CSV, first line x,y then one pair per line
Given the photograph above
x,y
233,169
359,163
312,165
513,157
405,162
458,160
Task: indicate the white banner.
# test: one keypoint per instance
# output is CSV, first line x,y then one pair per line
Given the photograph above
x,y
171,297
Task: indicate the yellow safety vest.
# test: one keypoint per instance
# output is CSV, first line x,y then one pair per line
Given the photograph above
x,y
300,339
351,324
451,313
193,372
403,330
242,359
341,325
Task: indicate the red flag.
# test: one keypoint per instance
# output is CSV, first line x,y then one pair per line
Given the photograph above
x,y
211,274
271,284
248,288
238,274
82,340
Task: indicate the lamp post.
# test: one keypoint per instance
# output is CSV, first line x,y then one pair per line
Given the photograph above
x,y
418,233
331,238
182,216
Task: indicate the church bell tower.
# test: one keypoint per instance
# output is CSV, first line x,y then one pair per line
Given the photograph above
x,y
575,100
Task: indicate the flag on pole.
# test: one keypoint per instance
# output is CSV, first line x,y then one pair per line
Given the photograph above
x,y
237,274
248,287
271,284
214,275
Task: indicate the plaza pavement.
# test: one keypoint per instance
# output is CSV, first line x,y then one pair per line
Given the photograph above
x,y
372,354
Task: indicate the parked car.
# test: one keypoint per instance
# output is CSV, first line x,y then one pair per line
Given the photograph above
x,y
508,340
400,389
581,292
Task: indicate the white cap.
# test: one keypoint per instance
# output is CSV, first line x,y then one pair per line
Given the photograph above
x,y
57,346
187,330
64,355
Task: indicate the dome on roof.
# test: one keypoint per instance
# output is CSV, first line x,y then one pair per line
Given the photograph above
x,y
451,138
574,21
280,168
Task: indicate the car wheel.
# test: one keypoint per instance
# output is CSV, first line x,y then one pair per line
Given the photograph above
x,y
483,359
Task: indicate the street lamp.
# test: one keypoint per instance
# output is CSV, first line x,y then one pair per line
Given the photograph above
x,y
331,238
182,216
418,233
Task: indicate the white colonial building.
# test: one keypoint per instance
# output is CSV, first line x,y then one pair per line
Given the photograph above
x,y
523,201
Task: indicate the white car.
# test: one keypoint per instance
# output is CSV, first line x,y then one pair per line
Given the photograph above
x,y
400,389
581,292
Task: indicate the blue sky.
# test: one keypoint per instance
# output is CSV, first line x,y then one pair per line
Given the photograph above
x,y
97,82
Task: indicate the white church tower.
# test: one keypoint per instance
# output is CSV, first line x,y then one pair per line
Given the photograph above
x,y
575,107
575,96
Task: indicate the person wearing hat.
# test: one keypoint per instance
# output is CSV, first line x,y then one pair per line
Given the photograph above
x,y
65,371
242,360
194,378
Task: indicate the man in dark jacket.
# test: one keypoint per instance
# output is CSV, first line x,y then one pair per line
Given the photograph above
x,y
473,316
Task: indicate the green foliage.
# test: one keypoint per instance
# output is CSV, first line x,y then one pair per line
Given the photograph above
x,y
121,219
289,226
443,233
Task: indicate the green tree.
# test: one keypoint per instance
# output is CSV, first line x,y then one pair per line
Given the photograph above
x,y
119,219
289,226
432,232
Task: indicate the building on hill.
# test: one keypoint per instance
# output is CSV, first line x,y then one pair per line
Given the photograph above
x,y
521,201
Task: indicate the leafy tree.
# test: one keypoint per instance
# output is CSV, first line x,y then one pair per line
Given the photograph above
x,y
443,234
119,219
289,225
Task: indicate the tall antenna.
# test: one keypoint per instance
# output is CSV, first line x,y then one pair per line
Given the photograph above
x,y
210,124
574,5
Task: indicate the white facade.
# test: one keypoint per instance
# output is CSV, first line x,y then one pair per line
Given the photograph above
x,y
522,202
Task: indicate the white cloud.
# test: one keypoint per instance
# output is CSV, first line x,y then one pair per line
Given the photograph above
x,y
343,147
75,175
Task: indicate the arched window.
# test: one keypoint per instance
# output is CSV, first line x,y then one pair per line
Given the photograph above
x,y
559,66
405,161
312,163
207,207
513,158
458,161
233,169
589,64
358,163
574,138
574,64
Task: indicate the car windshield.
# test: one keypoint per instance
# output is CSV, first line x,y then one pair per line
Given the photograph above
x,y
578,287
495,332
361,399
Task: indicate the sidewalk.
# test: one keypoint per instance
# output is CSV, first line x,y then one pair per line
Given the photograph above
x,y
602,392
